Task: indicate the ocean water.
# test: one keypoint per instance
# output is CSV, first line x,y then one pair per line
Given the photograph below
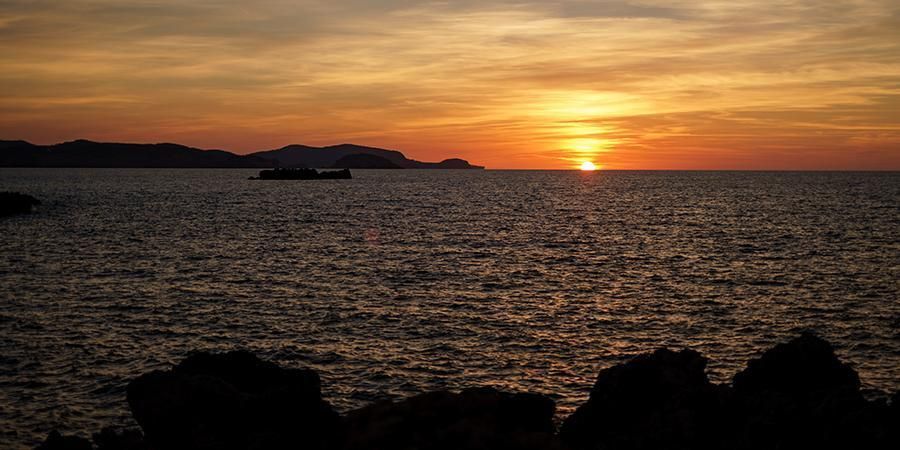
x,y
399,282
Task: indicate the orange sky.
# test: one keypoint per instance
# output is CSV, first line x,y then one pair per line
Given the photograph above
x,y
701,84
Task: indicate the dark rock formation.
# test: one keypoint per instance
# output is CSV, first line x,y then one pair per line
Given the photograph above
x,y
108,439
112,439
303,174
56,441
797,395
473,419
661,400
804,369
364,161
231,401
16,203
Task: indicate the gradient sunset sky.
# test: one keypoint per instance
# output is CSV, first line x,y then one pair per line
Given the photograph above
x,y
701,84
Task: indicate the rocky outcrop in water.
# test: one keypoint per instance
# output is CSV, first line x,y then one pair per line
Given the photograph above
x,y
16,203
303,174
231,401
798,395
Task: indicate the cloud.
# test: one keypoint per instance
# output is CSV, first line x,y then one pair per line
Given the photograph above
x,y
507,83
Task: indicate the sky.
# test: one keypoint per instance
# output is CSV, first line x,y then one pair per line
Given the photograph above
x,y
644,84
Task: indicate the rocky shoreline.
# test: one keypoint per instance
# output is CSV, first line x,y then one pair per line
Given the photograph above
x,y
797,395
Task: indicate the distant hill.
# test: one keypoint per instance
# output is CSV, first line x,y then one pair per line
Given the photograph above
x,y
84,153
364,161
323,157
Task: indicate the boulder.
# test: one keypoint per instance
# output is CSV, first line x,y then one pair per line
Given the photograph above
x,y
800,395
661,400
56,441
231,401
797,395
16,203
475,419
110,438
803,368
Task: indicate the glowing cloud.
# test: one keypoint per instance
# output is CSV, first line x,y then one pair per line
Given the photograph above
x,y
706,84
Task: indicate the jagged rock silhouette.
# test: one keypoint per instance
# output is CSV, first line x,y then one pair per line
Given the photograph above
x,y
797,395
231,401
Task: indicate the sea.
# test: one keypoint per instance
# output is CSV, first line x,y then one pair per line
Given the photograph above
x,y
400,282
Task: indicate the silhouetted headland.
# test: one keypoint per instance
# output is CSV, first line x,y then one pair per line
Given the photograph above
x,y
16,203
306,156
798,395
303,174
84,153
364,161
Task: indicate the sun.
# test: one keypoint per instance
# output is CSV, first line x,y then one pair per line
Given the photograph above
x,y
588,166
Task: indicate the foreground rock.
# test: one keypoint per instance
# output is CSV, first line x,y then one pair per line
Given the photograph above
x,y
56,441
656,401
797,395
231,401
473,419
16,203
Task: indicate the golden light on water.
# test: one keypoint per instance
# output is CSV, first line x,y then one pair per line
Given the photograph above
x,y
588,166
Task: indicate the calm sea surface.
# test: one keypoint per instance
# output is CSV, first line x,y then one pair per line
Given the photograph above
x,y
399,282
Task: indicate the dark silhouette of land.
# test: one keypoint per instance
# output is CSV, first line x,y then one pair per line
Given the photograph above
x,y
84,153
303,174
16,203
306,156
364,161
798,395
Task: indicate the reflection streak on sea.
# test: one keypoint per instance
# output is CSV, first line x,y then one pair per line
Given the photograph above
x,y
399,282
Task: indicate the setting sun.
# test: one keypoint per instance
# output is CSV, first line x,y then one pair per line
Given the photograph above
x,y
588,166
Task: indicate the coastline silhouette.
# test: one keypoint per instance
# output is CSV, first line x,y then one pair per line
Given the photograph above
x,y
797,395
85,153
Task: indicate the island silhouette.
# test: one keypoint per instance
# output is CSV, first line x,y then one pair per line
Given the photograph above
x,y
302,174
85,153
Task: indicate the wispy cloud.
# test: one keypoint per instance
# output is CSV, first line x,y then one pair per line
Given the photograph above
x,y
694,84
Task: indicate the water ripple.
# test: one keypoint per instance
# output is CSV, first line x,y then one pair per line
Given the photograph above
x,y
399,282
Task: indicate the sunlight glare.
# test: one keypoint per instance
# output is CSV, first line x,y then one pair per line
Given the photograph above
x,y
588,166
